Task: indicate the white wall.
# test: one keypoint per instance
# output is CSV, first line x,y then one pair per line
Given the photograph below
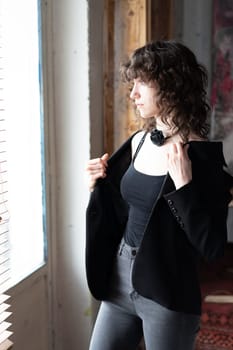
x,y
71,116
197,28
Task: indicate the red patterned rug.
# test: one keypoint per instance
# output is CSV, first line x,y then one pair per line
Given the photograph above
x,y
216,331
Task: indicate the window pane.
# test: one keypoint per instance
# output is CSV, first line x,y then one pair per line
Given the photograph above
x,y
24,136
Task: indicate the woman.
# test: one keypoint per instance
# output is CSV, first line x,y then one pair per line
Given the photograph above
x,y
157,206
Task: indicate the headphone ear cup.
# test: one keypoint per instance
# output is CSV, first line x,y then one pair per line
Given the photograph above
x,y
157,137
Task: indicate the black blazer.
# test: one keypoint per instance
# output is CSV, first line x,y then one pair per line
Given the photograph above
x,y
184,225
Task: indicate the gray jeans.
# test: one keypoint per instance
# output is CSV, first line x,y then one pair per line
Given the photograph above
x,y
127,316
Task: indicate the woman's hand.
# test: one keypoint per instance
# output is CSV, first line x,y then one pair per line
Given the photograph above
x,y
179,164
96,168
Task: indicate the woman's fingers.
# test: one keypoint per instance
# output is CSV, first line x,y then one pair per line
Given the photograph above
x,y
98,162
179,164
96,168
104,159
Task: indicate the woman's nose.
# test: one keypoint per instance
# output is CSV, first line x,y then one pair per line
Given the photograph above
x,y
134,92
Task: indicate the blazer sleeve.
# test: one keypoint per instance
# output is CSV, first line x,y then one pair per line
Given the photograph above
x,y
201,209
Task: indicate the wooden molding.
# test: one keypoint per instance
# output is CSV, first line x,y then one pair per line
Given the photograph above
x,y
161,19
125,24
108,75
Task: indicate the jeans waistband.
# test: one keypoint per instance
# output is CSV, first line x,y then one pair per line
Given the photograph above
x,y
127,250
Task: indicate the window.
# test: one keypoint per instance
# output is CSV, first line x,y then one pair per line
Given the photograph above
x,y
24,135
22,210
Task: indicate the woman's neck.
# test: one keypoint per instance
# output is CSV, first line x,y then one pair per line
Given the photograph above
x,y
166,129
172,134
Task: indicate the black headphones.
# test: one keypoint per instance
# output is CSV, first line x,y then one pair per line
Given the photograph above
x,y
157,137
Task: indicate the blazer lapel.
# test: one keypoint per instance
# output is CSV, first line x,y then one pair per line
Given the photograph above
x,y
168,186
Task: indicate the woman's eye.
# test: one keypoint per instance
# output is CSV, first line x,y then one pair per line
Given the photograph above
x,y
142,82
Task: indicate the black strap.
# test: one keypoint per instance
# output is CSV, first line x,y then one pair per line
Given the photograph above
x,y
139,146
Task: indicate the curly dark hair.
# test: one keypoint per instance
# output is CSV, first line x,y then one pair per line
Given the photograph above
x,y
182,83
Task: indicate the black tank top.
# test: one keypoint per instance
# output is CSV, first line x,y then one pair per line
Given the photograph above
x,y
140,191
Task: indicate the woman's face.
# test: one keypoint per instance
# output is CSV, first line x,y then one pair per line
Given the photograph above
x,y
145,96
